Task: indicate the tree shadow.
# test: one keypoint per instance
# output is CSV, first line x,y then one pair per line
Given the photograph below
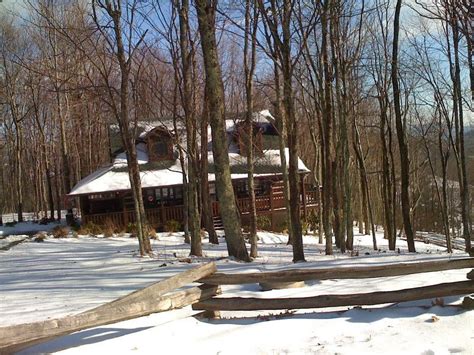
x,y
89,336
352,315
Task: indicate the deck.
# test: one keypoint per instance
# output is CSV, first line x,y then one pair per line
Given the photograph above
x,y
271,205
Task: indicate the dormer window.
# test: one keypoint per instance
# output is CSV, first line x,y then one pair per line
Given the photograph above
x,y
242,131
160,148
160,145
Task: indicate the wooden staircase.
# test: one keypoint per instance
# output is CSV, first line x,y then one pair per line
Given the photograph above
x,y
217,221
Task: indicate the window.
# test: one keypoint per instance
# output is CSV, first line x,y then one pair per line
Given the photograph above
x,y
161,148
178,192
241,188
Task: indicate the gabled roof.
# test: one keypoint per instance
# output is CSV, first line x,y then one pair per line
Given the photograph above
x,y
114,177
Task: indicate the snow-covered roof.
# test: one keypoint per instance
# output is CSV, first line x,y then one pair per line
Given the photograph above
x,y
114,177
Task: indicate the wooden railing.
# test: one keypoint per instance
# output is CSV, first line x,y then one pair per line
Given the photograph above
x,y
155,216
159,216
312,197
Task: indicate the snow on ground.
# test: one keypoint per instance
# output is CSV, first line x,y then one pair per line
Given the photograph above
x,y
24,228
66,276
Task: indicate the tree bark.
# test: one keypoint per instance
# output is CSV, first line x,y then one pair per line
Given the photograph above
x,y
249,68
206,208
187,51
401,135
206,11
123,118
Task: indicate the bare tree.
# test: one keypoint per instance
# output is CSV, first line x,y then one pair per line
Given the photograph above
x,y
123,43
206,11
401,135
250,45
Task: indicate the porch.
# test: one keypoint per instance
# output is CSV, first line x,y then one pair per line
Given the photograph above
x,y
165,204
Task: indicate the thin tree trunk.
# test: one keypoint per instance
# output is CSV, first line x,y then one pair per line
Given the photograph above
x,y
464,185
206,208
249,68
401,135
126,132
327,131
282,138
187,51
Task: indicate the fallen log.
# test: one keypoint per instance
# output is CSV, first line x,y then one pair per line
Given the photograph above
x,y
151,299
363,272
362,299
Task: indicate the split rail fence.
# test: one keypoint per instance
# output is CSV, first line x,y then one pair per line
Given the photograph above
x,y
164,295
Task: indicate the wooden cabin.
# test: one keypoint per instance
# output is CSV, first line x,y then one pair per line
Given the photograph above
x,y
106,195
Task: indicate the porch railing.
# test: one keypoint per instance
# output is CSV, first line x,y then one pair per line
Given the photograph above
x,y
155,216
159,216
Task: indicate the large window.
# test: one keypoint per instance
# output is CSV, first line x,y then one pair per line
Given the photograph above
x,y
168,196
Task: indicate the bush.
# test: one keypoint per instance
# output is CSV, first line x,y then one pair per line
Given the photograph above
x,y
172,226
282,226
109,228
39,237
107,231
263,223
313,221
89,228
151,232
60,232
304,226
131,228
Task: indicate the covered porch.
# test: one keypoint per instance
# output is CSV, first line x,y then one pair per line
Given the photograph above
x,y
165,203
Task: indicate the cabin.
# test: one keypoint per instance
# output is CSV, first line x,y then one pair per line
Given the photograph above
x,y
105,194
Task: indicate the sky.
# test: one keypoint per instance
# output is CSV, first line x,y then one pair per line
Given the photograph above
x,y
8,5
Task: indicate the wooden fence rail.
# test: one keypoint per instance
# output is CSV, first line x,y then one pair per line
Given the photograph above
x,y
322,301
361,272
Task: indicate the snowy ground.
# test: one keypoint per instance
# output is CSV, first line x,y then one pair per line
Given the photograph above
x,y
24,228
66,276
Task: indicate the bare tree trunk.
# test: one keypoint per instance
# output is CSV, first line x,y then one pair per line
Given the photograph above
x,y
182,162
288,103
459,129
249,68
187,53
61,117
206,11
386,181
44,153
19,168
327,127
282,138
123,117
206,208
401,135
365,182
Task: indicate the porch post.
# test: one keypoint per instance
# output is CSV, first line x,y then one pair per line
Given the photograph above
x,y
124,213
162,210
303,190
